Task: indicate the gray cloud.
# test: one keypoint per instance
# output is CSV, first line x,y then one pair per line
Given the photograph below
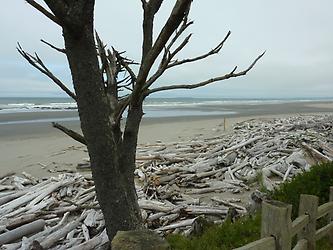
x,y
296,34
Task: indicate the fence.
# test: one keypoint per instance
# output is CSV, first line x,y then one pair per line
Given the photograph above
x,y
277,229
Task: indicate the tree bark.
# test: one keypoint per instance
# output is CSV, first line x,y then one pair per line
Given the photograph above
x,y
115,190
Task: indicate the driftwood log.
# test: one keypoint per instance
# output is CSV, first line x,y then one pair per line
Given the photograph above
x,y
19,232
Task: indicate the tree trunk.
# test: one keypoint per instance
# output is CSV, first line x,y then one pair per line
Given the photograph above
x,y
112,167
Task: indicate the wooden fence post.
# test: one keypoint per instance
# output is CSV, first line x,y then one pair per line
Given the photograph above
x,y
330,217
224,124
308,204
276,222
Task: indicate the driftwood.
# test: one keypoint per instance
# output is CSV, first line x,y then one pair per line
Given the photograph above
x,y
183,223
51,239
16,222
19,232
97,241
319,157
229,204
176,183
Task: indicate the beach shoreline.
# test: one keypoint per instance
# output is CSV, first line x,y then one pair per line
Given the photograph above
x,y
28,124
41,150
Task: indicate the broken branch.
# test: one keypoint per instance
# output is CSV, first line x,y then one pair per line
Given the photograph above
x,y
44,11
53,47
76,136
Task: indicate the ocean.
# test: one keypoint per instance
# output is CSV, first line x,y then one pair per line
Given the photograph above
x,y
153,107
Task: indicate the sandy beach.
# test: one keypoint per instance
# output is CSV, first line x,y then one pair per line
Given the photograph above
x,y
30,144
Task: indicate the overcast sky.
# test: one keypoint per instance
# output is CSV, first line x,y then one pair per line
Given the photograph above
x,y
297,35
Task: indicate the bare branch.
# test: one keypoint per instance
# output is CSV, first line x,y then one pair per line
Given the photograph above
x,y
44,11
71,133
165,62
38,64
125,64
72,15
128,88
109,67
54,47
155,5
177,15
127,79
215,50
180,47
149,10
168,56
181,30
144,3
232,74
123,104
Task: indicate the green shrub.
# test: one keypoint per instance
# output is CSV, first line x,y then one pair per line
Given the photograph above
x,y
217,237
316,182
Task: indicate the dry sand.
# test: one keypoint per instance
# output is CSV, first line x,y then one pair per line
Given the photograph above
x,y
38,154
40,150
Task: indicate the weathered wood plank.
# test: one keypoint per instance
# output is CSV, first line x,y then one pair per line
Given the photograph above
x,y
309,205
330,217
299,223
262,244
324,209
301,245
320,233
276,221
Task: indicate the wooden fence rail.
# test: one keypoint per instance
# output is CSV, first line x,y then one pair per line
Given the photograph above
x,y
277,229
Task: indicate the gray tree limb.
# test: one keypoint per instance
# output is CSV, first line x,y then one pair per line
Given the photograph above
x,y
108,65
232,74
71,133
176,17
168,55
53,47
215,50
44,11
38,64
150,9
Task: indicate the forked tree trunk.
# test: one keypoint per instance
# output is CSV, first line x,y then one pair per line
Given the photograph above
x,y
112,160
112,153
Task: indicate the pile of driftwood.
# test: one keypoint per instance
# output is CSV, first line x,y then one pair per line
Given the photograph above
x,y
60,212
273,150
177,184
63,213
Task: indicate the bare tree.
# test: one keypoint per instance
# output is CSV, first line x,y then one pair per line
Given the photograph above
x,y
103,95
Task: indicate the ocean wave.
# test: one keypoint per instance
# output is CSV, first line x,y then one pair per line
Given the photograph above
x,y
33,107
14,105
198,103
